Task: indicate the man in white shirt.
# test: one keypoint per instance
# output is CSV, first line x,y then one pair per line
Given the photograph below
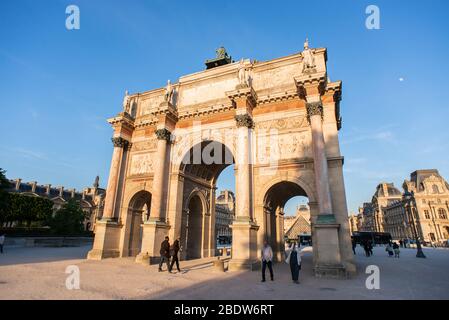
x,y
267,258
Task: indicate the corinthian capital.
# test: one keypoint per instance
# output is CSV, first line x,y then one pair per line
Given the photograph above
x,y
244,120
119,142
314,109
163,134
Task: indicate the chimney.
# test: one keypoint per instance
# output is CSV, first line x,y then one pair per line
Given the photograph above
x,y
33,186
48,189
72,193
61,191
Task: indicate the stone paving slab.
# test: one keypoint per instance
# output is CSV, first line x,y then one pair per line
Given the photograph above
x,y
39,273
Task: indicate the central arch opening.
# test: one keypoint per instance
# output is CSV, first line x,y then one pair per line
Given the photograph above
x,y
201,167
275,201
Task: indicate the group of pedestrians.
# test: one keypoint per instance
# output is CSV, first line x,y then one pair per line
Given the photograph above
x,y
368,247
392,249
293,259
169,255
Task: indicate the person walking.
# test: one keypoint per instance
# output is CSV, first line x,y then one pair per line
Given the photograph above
x,y
396,250
2,242
294,260
389,249
366,247
370,248
165,254
174,255
267,258
354,245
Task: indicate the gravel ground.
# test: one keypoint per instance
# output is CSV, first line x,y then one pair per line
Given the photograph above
x,y
39,273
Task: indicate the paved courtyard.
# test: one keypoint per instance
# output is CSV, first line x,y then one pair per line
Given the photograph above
x,y
39,273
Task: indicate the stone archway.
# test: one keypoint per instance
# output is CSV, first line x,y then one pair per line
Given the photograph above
x,y
138,213
275,199
196,224
283,124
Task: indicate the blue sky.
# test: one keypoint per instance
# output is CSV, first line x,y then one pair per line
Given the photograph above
x,y
58,87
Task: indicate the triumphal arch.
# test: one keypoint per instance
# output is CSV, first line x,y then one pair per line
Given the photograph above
x,y
277,121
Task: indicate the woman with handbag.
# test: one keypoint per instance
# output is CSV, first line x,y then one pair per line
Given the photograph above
x,y
294,260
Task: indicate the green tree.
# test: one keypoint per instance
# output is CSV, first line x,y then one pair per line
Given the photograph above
x,y
23,208
68,220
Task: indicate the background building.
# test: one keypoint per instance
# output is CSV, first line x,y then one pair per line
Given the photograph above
x,y
225,212
386,194
91,199
431,193
387,212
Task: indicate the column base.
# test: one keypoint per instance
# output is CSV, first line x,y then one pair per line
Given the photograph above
x,y
327,262
154,232
244,245
106,241
330,271
96,254
237,265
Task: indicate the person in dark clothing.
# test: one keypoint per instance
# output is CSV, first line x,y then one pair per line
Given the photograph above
x,y
354,245
294,260
366,248
401,243
174,255
370,248
165,254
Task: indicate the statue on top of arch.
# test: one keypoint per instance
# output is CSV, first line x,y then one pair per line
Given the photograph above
x,y
307,58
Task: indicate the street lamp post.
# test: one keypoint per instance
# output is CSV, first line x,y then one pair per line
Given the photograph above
x,y
410,204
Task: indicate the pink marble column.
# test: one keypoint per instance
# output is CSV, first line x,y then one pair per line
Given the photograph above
x,y
315,116
243,161
114,174
160,180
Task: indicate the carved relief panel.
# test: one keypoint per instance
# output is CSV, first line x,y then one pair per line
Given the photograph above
x,y
141,164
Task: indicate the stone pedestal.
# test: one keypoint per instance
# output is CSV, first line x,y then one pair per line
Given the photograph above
x,y
327,247
106,242
244,246
154,232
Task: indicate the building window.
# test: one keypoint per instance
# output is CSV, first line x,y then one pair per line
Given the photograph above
x,y
442,214
423,201
426,214
432,236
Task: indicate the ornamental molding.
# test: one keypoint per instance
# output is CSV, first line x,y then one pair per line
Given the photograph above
x,y
163,134
314,109
124,119
244,120
245,92
119,142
